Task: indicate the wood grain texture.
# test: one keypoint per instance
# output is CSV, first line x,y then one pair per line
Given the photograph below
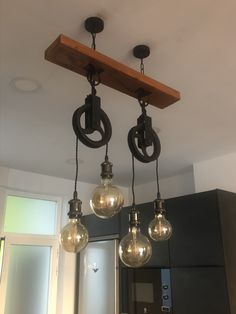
x,y
76,57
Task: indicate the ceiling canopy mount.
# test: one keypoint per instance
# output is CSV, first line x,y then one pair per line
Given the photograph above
x,y
94,25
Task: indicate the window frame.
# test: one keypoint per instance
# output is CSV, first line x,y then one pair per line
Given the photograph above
x,y
42,197
31,239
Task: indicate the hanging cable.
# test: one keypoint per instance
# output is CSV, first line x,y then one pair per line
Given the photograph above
x,y
77,165
157,180
133,177
106,154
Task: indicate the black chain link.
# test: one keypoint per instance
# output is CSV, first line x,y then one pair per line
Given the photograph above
x,y
93,41
142,67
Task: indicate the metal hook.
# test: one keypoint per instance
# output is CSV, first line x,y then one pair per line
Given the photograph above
x,y
91,73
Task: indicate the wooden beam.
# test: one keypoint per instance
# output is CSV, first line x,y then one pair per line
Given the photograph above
x,y
76,57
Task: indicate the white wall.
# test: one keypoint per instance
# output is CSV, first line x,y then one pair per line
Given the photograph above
x,y
216,173
46,185
178,185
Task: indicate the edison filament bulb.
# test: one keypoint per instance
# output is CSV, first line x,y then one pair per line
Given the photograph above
x,y
107,200
135,249
74,236
160,228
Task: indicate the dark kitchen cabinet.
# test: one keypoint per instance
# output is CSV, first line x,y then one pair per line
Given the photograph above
x,y
145,290
98,227
197,238
199,290
201,253
160,252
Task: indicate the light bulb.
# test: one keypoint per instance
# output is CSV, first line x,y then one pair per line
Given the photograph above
x,y
159,228
107,200
74,236
135,249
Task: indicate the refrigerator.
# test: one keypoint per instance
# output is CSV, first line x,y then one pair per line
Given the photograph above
x,y
99,278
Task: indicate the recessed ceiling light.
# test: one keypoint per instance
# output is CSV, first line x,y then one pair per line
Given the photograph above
x,y
23,84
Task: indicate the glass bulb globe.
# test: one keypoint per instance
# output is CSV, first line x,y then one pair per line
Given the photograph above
x,y
107,200
135,249
74,236
159,228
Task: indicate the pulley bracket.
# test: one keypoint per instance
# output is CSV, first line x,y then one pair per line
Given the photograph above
x,y
95,120
142,136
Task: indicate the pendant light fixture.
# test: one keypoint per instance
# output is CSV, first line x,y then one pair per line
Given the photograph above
x,y
90,119
74,236
107,199
142,136
135,249
159,228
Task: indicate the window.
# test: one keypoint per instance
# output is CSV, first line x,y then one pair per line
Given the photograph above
x,y
2,243
29,255
28,215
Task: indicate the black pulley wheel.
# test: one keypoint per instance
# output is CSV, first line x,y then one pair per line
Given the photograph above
x,y
141,153
82,133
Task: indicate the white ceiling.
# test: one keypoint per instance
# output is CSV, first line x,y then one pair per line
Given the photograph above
x,y
193,50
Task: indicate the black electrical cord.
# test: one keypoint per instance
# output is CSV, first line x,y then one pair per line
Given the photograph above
x,y
77,165
106,154
157,180
133,177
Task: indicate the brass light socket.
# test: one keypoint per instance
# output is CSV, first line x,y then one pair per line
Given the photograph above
x,y
106,167
75,207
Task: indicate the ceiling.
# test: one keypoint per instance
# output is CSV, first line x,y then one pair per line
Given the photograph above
x,y
193,50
